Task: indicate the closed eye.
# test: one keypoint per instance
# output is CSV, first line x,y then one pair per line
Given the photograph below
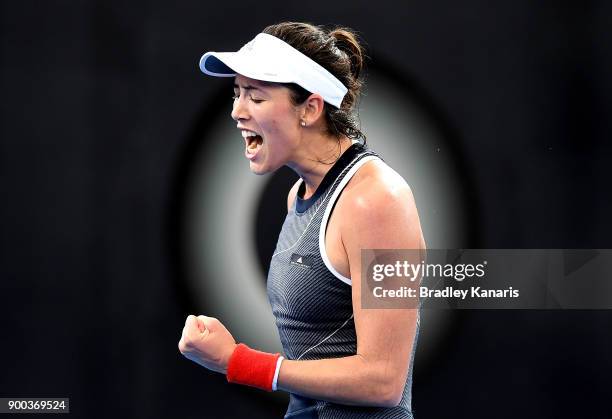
x,y
235,97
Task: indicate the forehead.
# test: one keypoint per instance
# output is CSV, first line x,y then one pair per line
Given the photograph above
x,y
252,84
244,80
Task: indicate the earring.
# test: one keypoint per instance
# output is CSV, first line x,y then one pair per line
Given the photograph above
x,y
303,123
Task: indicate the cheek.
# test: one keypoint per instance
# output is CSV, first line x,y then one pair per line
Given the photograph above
x,y
278,130
280,126
281,120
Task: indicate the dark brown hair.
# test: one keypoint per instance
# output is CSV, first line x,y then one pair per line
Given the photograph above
x,y
339,52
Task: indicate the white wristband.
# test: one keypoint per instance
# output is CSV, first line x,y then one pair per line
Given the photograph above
x,y
279,361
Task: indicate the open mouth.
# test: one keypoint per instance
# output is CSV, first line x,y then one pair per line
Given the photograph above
x,y
253,142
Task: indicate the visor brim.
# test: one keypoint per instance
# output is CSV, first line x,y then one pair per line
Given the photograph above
x,y
217,64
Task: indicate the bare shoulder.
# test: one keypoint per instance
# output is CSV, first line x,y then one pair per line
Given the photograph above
x,y
377,210
377,187
292,194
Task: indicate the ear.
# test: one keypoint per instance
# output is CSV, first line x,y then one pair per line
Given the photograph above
x,y
313,108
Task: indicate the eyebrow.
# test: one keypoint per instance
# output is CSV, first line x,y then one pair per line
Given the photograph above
x,y
247,87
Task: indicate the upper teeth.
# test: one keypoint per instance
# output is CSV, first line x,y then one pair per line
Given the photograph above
x,y
246,133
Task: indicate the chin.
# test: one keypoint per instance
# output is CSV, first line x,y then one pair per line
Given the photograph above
x,y
258,170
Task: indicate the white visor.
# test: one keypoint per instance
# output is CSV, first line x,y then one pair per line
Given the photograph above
x,y
267,58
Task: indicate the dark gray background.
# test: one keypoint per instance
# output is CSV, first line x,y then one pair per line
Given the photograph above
x,y
98,104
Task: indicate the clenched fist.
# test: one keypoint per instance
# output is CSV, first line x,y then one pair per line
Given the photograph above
x,y
207,342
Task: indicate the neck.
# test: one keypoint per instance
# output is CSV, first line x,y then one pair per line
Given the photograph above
x,y
315,159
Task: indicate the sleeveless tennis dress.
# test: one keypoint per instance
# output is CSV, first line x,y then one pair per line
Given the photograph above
x,y
311,301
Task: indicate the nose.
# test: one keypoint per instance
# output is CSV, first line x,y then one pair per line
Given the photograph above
x,y
239,110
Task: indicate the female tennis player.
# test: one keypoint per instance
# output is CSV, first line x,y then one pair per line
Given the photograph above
x,y
295,92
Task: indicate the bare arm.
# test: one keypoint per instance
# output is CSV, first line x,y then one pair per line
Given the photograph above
x,y
381,216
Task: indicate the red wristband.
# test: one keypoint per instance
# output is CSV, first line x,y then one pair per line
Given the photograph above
x,y
252,368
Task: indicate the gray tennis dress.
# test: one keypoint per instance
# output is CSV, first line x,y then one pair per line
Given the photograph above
x,y
311,301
